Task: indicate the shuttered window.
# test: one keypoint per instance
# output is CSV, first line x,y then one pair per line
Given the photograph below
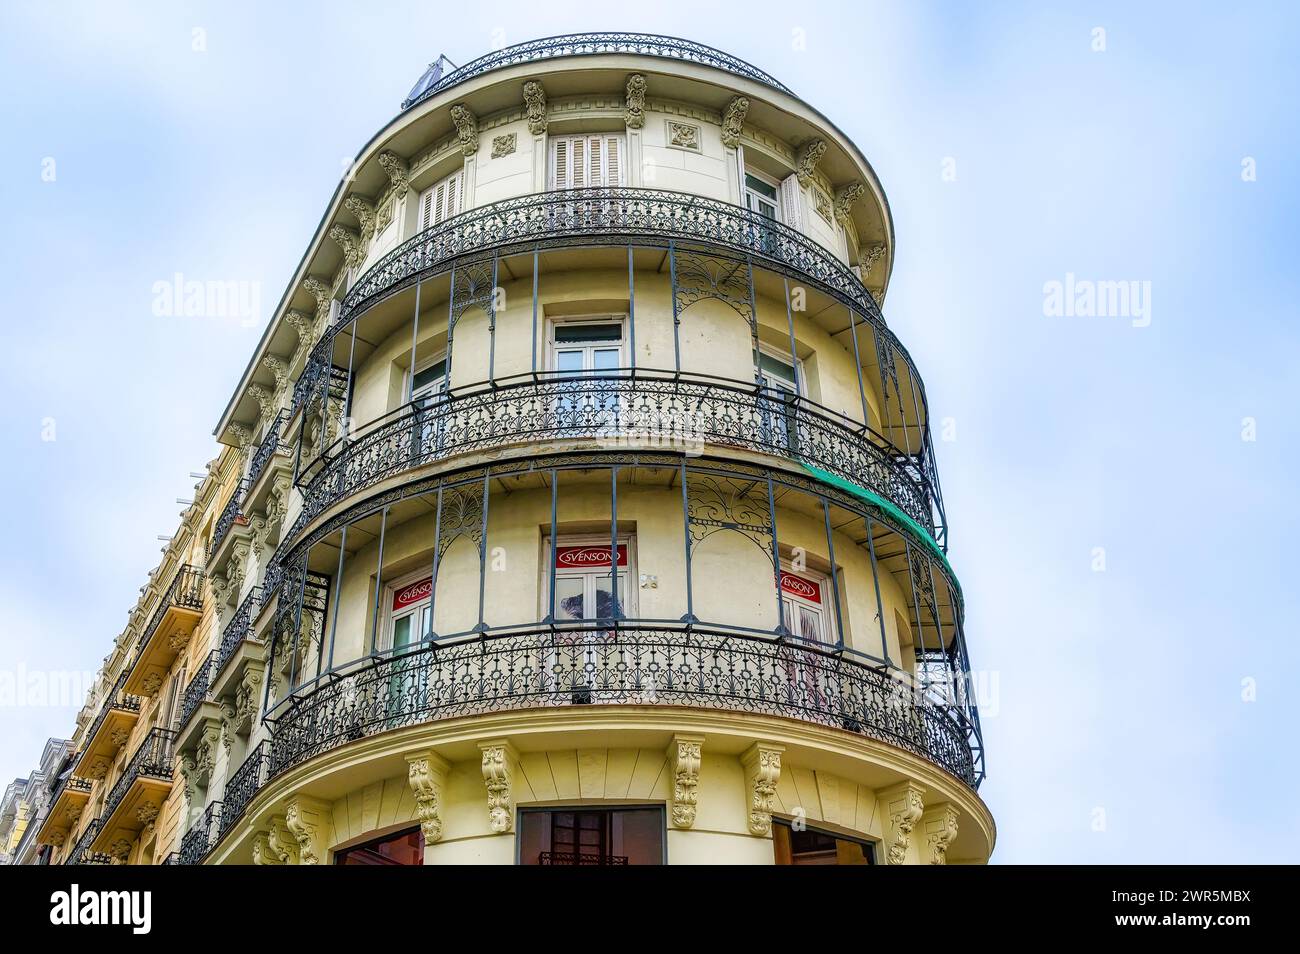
x,y
440,201
579,162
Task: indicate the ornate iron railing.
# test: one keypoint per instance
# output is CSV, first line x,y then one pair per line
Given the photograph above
x,y
242,786
635,666
590,44
153,759
81,853
185,590
201,838
237,630
676,412
116,699
228,516
265,450
197,690
71,783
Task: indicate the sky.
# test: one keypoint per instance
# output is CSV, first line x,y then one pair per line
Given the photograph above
x,y
1119,487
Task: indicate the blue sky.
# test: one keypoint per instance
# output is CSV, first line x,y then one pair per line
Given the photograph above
x,y
1119,732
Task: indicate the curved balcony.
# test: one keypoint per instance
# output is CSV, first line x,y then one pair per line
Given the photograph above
x,y
644,218
588,44
675,412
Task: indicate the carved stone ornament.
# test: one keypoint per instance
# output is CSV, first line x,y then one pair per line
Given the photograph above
x,y
146,815
189,777
235,566
280,369
247,698
504,145
354,252
845,196
265,401
823,205
684,760
305,818
683,135
810,153
634,105
535,107
868,256
228,715
119,737
120,850
323,295
243,436
939,825
466,129
497,757
220,588
301,323
263,853
97,768
733,121
178,640
364,210
282,842
73,814
762,763
427,775
398,171
258,526
151,683
903,806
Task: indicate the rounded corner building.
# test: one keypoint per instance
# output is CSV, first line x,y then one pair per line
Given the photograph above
x,y
578,507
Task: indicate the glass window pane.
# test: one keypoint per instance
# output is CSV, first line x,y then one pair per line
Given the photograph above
x,y
568,598
568,333
402,632
568,361
761,187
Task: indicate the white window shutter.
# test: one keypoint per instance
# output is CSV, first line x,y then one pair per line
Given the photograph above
x,y
792,202
578,164
560,165
613,161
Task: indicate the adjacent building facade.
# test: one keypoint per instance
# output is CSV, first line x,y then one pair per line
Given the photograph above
x,y
577,507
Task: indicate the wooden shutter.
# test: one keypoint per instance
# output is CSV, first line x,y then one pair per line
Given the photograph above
x,y
440,202
791,194
579,162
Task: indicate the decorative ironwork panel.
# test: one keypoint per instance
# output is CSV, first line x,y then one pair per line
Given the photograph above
x,y
201,838
243,786
197,690
699,277
238,629
153,759
724,503
594,44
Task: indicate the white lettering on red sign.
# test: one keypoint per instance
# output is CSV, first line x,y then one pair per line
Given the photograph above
x,y
415,593
798,586
588,558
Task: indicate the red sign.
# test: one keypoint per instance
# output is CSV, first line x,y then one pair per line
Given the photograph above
x,y
410,595
588,558
798,586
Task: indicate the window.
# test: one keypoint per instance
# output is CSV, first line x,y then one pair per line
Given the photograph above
x,y
813,847
760,196
591,836
579,162
803,605
582,578
440,201
408,604
430,379
589,345
403,848
782,383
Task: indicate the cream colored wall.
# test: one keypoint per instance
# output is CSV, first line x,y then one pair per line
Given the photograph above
x,y
733,582
714,340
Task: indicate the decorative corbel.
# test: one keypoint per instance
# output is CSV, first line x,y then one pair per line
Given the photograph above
x,y
258,528
321,291
301,323
282,843
810,153
152,683
845,196
684,760
305,818
349,240
265,401
205,753
466,129
903,806
634,104
939,825
119,737
189,777
498,755
733,121
120,850
427,775
535,107
146,815
280,368
97,769
248,697
228,716
398,170
263,853
868,256
364,210
243,436
220,588
235,567
762,764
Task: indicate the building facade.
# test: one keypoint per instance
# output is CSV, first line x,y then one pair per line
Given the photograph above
x,y
27,803
577,507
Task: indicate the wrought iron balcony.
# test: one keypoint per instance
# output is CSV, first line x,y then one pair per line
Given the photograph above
x,y
265,450
197,690
243,786
589,44
116,716
169,629
81,853
152,760
652,218
677,412
230,515
237,630
201,838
